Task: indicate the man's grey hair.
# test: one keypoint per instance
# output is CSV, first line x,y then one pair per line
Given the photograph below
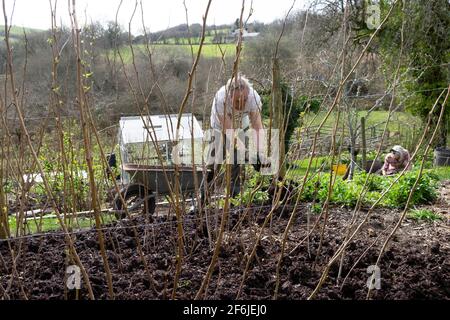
x,y
239,81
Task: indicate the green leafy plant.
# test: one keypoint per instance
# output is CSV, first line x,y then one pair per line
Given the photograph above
x,y
347,192
254,189
424,193
423,215
316,208
8,187
70,184
344,193
374,182
185,283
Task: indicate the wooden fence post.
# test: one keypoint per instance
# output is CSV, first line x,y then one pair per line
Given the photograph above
x,y
388,134
278,113
413,137
363,143
4,225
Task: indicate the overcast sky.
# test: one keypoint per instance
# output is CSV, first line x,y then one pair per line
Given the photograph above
x,y
158,14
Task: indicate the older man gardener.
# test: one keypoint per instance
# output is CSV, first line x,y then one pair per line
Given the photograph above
x,y
235,106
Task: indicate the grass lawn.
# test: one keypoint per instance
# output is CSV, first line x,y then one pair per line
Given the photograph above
x,y
298,169
443,172
398,119
52,224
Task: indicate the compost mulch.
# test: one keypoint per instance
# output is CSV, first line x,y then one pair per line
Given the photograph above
x,y
415,264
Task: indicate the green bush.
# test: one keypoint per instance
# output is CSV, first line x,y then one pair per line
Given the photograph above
x,y
425,192
308,104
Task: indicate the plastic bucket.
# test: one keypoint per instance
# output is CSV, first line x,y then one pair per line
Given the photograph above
x,y
340,169
442,157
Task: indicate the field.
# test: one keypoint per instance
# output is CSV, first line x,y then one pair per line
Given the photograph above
x,y
376,118
208,50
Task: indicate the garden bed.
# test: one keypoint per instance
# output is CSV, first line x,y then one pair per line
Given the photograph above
x,y
416,264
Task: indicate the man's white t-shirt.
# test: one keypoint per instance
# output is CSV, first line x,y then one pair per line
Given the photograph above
x,y
222,103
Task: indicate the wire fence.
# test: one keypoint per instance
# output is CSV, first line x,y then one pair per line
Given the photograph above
x,y
405,135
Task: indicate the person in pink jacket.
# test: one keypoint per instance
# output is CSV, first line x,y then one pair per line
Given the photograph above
x,y
396,160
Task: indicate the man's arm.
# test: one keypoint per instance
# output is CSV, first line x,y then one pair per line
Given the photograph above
x,y
255,120
226,122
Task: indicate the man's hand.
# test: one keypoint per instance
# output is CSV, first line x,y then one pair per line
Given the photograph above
x,y
261,162
257,166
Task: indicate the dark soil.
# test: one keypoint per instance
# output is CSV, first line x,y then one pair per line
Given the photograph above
x,y
415,265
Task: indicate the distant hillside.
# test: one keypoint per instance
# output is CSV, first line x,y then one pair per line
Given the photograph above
x,y
182,31
179,34
16,31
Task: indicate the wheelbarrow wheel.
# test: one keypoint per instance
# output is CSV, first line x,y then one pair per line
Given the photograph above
x,y
135,197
